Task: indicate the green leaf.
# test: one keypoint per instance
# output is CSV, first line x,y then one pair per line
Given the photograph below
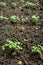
x,y
14,4
3,47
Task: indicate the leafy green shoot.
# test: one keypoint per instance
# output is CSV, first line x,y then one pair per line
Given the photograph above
x,y
24,19
30,4
14,4
2,4
15,19
16,46
3,18
37,49
35,18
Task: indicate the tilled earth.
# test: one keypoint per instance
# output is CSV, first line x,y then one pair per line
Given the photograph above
x,y
33,33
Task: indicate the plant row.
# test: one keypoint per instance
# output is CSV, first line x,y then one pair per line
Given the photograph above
x,y
17,46
24,4
16,19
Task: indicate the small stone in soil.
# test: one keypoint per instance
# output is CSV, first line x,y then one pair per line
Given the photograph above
x,y
19,63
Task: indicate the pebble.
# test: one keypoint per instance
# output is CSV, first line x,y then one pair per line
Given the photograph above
x,y
19,63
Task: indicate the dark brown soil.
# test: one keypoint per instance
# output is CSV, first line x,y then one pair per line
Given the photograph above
x,y
20,31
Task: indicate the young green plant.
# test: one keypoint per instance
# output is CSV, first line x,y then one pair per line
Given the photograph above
x,y
24,19
15,19
30,4
16,46
3,18
14,4
35,18
3,4
37,49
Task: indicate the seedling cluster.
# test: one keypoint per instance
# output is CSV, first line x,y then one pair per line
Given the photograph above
x,y
15,18
30,4
16,46
37,49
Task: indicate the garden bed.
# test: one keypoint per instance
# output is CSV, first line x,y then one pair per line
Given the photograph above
x,y
26,32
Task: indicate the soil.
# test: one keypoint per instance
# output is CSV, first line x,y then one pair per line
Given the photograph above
x,y
33,33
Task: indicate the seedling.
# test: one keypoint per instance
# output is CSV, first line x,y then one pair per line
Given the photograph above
x,y
35,18
16,46
14,4
2,4
3,18
37,49
30,4
24,19
15,18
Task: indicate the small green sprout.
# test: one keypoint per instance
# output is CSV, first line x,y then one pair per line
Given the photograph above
x,y
2,4
37,49
24,19
16,46
30,4
15,18
3,18
35,18
14,4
